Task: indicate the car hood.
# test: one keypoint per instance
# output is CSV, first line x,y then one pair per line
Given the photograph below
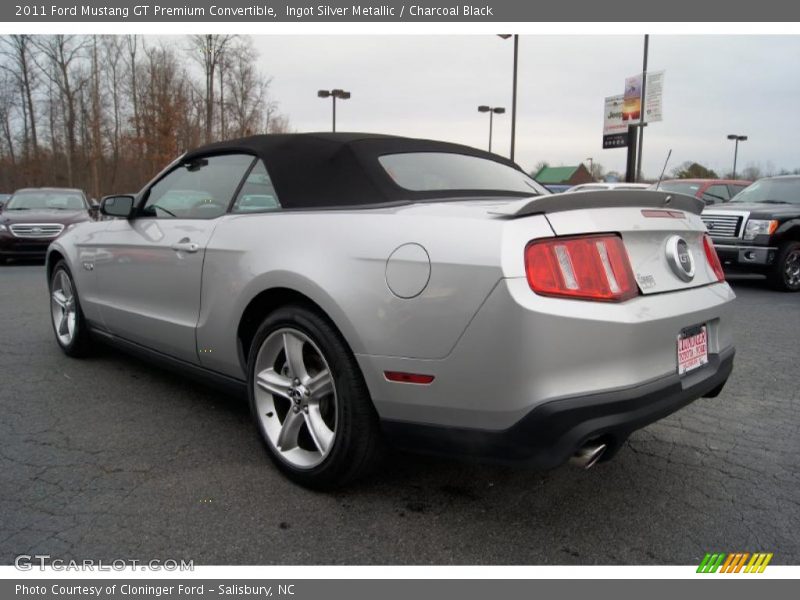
x,y
65,217
757,207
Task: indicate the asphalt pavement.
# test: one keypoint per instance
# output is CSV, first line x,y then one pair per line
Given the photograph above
x,y
112,458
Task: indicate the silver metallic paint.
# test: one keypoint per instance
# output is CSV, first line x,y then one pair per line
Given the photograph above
x,y
496,348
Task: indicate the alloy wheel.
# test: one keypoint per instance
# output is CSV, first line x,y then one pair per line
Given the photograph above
x,y
295,397
63,308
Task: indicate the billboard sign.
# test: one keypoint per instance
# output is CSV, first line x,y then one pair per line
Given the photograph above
x,y
615,130
632,107
654,92
632,100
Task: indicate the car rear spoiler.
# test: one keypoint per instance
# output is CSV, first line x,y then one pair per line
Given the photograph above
x,y
599,199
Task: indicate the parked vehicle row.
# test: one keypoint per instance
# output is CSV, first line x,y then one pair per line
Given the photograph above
x,y
710,191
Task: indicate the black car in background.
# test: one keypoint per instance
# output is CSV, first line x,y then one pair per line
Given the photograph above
x,y
3,199
34,217
758,231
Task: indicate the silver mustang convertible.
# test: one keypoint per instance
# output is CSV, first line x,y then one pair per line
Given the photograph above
x,y
370,289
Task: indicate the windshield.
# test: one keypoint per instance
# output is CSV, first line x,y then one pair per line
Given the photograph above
x,y
53,200
678,187
440,171
771,191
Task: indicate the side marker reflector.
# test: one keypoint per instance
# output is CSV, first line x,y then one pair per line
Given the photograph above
x,y
400,377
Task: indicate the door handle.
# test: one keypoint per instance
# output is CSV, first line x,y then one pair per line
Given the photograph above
x,y
185,246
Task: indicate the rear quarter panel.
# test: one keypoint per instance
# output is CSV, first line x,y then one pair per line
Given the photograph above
x,y
338,259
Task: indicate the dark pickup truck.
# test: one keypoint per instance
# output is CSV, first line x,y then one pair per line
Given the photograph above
x,y
758,231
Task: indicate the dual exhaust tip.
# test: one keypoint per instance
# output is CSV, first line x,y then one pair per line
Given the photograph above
x,y
587,456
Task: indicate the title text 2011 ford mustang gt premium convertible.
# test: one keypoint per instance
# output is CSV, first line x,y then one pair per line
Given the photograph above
x,y
369,288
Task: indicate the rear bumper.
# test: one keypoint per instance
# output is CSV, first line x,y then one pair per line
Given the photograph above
x,y
552,432
522,350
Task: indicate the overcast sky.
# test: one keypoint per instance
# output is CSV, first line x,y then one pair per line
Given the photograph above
x,y
430,86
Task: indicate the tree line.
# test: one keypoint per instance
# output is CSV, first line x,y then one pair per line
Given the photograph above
x,y
105,113
687,170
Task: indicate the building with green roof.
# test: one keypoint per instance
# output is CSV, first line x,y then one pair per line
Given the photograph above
x,y
563,175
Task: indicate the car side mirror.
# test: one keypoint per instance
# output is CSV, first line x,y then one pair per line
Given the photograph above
x,y
117,206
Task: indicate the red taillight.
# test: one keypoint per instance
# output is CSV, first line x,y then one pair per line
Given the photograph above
x,y
713,259
594,267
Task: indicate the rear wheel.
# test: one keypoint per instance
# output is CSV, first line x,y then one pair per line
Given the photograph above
x,y
785,273
69,325
309,400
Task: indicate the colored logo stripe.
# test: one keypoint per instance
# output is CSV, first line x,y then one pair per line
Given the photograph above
x,y
711,563
734,562
758,563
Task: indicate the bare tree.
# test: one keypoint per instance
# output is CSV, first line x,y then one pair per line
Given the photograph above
x,y
106,112
132,42
63,53
247,92
18,50
112,58
209,51
6,110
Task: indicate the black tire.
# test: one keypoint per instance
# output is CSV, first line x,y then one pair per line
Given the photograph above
x,y
782,275
80,342
357,446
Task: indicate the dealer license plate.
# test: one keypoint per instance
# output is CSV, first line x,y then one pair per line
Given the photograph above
x,y
692,349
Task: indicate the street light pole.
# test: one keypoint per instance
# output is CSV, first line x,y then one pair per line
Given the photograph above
x,y
492,110
334,94
736,138
514,99
642,122
513,93
491,118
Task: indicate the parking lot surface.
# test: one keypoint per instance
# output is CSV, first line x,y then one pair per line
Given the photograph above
x,y
111,458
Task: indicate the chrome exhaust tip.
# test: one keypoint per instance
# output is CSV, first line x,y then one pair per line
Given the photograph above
x,y
587,456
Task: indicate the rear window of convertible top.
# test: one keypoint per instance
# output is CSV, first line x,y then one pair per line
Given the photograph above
x,y
436,171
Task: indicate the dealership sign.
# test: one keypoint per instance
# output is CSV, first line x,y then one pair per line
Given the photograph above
x,y
654,96
615,130
623,110
632,104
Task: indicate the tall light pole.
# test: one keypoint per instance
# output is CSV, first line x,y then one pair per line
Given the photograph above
x,y
591,166
642,109
492,110
737,138
505,36
334,94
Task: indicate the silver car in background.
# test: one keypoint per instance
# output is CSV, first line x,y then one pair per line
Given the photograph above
x,y
370,289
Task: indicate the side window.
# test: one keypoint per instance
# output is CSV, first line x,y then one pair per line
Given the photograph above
x,y
716,193
198,189
257,193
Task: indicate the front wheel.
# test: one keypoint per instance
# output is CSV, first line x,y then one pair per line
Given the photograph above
x,y
309,400
785,273
69,325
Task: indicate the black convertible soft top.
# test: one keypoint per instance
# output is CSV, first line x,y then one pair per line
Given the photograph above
x,y
318,170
